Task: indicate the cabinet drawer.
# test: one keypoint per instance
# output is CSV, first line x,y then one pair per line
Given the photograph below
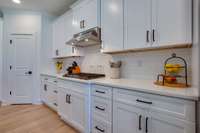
x,y
102,91
102,108
49,79
174,107
80,88
99,126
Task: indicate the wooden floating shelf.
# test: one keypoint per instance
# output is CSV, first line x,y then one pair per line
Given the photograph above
x,y
158,48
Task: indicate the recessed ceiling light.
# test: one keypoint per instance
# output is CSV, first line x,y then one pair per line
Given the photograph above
x,y
17,1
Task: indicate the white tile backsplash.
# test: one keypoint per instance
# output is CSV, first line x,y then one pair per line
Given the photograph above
x,y
138,65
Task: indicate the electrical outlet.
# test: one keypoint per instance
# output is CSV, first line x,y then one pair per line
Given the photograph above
x,y
140,63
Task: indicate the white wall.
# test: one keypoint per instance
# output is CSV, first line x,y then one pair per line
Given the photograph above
x,y
196,49
23,22
1,35
47,63
141,65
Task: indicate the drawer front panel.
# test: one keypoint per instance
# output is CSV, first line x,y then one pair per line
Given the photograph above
x,y
174,107
99,126
74,86
102,91
49,79
102,108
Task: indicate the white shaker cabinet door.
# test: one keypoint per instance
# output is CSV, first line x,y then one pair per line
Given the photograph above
x,y
68,34
172,22
157,123
58,36
137,23
91,14
64,107
127,118
78,114
112,25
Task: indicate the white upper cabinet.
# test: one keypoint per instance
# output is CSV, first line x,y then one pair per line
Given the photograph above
x,y
92,14
86,15
112,25
137,22
58,36
172,22
63,32
77,18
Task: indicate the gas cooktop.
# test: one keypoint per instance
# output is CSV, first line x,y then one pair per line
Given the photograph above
x,y
84,76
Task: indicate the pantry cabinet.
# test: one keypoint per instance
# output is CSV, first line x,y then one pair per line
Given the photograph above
x,y
63,32
145,24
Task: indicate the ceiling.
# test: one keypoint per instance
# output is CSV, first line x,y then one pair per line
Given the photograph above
x,y
53,7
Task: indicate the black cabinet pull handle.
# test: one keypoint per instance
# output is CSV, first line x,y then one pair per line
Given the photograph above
x,y
102,92
57,52
140,119
67,97
45,87
153,35
55,91
147,36
102,109
101,130
147,124
141,101
55,104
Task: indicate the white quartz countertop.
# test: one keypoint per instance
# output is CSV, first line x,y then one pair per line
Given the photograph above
x,y
146,86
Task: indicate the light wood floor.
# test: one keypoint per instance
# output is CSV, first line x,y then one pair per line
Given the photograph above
x,y
31,119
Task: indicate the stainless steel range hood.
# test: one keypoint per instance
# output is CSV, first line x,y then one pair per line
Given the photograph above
x,y
86,38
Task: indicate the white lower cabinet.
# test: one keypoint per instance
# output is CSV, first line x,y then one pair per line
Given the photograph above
x,y
49,92
127,118
157,123
64,109
78,114
135,112
100,126
113,110
73,104
101,109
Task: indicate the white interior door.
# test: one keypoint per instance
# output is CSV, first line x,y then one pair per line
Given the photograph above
x,y
21,68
